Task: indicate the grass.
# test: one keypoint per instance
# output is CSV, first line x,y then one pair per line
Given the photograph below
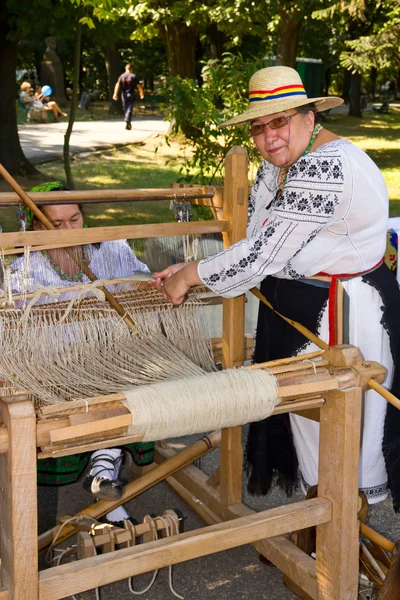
x,y
141,167
379,136
125,167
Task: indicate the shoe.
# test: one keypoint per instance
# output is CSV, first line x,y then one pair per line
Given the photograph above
x,y
100,487
128,126
99,482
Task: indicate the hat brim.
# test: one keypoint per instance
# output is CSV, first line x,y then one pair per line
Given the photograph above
x,y
270,107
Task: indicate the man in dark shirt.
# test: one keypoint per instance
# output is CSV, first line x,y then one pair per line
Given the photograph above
x,y
127,82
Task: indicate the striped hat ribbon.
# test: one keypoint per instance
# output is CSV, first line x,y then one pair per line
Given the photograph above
x,y
280,92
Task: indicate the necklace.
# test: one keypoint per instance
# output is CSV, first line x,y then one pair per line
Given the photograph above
x,y
64,276
283,173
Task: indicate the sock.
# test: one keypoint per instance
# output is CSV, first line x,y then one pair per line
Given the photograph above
x,y
118,514
102,466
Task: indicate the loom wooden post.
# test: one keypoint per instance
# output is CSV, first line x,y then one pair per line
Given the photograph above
x,y
337,541
235,211
19,559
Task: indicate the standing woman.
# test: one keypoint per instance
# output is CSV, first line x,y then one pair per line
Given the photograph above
x,y
319,205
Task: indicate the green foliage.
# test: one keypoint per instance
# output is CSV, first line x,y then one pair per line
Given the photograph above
x,y
380,49
197,112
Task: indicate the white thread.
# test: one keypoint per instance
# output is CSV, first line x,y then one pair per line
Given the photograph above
x,y
313,364
201,403
93,351
171,528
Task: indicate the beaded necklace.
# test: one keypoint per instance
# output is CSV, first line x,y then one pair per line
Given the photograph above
x,y
285,170
64,276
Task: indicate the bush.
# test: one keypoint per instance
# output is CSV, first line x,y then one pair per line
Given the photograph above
x,y
198,111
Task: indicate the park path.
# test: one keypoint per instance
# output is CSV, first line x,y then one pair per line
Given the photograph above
x,y
44,142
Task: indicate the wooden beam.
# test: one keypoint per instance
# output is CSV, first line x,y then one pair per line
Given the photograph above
x,y
59,197
235,211
86,574
93,235
338,541
205,501
18,517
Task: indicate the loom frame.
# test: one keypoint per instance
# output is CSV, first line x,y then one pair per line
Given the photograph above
x,y
229,523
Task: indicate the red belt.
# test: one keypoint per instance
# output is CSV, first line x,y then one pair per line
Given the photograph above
x,y
333,297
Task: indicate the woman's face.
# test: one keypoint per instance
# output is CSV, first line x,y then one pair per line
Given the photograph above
x,y
62,216
283,146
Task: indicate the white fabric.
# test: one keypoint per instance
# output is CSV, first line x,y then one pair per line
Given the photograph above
x,y
367,333
331,217
111,260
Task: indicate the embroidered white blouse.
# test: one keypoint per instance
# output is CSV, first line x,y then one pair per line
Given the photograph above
x,y
111,260
331,217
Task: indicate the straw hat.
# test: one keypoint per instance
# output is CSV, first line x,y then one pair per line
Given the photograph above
x,y
25,85
276,89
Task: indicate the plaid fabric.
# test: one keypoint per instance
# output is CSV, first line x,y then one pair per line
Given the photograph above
x,y
68,469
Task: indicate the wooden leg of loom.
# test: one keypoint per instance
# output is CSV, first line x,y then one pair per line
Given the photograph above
x,y
19,557
337,541
235,210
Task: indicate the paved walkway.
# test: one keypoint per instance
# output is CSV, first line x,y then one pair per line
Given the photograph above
x,y
44,142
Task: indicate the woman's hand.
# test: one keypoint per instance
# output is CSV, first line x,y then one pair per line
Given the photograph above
x,y
175,281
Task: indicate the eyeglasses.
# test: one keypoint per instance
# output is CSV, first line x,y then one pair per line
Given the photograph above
x,y
259,128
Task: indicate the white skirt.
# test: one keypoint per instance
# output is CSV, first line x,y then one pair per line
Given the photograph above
x,y
368,334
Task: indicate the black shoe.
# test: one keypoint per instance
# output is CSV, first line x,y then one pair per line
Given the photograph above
x,y
128,126
100,486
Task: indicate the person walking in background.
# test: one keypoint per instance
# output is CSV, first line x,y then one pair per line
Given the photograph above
x,y
127,83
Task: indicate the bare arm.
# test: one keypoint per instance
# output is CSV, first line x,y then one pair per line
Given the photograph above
x,y
116,90
140,89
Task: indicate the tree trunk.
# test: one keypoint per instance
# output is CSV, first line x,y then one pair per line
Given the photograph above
x,y
74,102
112,58
180,41
355,95
288,39
11,155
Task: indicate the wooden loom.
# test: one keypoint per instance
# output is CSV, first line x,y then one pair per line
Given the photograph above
x,y
329,392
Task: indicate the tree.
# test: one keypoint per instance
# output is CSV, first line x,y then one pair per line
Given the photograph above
x,y
378,51
351,21
15,19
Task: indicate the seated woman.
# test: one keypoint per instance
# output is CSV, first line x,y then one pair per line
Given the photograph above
x,y
49,104
35,107
108,260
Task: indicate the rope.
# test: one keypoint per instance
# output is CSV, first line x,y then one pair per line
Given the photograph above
x,y
171,525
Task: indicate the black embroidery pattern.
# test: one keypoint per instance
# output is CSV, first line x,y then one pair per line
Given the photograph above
x,y
311,195
255,250
262,172
376,491
307,202
318,168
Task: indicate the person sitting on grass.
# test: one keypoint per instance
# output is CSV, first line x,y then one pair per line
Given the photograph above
x,y
54,267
